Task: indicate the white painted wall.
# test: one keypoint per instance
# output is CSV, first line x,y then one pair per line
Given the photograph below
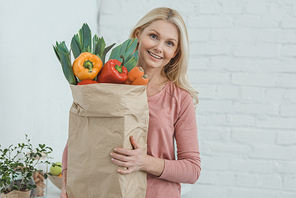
x,y
243,63
35,96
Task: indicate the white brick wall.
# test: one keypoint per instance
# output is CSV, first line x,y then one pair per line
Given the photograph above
x,y
243,63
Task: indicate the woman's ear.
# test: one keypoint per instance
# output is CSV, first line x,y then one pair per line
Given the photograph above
x,y
137,34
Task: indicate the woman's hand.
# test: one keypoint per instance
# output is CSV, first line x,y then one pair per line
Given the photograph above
x,y
64,183
132,160
63,195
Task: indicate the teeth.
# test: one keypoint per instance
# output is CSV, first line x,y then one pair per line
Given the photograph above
x,y
155,56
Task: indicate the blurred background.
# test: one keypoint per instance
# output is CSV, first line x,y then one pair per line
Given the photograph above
x,y
242,62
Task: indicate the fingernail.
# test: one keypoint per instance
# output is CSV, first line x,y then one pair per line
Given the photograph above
x,y
115,149
112,159
111,154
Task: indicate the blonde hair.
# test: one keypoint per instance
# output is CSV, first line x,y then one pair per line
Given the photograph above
x,y
176,69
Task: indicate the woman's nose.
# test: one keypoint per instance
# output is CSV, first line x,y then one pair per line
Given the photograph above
x,y
158,47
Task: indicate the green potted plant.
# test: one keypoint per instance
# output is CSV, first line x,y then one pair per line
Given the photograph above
x,y
17,166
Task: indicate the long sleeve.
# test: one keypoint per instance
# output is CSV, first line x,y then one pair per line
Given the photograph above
x,y
65,158
172,117
186,169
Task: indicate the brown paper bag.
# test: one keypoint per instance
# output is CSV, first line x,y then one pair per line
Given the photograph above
x,y
104,116
16,194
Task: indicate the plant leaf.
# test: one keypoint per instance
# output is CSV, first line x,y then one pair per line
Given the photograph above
x,y
100,47
95,41
62,47
115,53
80,34
124,47
86,37
55,51
67,69
65,47
106,50
130,64
78,40
76,50
131,48
135,54
86,49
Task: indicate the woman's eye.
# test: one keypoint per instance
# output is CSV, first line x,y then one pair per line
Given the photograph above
x,y
170,43
153,36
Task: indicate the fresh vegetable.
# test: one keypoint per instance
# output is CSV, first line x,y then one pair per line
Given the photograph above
x,y
126,49
63,56
81,42
56,168
86,82
134,74
87,66
113,72
100,49
141,80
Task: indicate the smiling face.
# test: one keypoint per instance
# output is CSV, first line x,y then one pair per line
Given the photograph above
x,y
158,44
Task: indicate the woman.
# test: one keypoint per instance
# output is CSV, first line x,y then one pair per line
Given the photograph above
x,y
163,53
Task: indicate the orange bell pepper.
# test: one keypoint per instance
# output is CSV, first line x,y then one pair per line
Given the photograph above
x,y
87,66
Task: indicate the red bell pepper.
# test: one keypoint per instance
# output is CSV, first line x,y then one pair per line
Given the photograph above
x,y
113,72
86,82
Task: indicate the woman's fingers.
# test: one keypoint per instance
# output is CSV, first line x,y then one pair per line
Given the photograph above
x,y
120,157
126,171
121,163
123,151
133,160
134,143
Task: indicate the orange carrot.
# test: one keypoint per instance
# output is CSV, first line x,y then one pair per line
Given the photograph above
x,y
134,74
141,80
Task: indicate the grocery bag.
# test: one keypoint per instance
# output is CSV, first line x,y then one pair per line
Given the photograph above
x,y
104,116
16,194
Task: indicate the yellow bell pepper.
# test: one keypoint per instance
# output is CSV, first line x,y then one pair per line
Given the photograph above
x,y
87,66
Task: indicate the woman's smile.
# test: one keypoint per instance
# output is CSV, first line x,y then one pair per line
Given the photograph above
x,y
154,55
